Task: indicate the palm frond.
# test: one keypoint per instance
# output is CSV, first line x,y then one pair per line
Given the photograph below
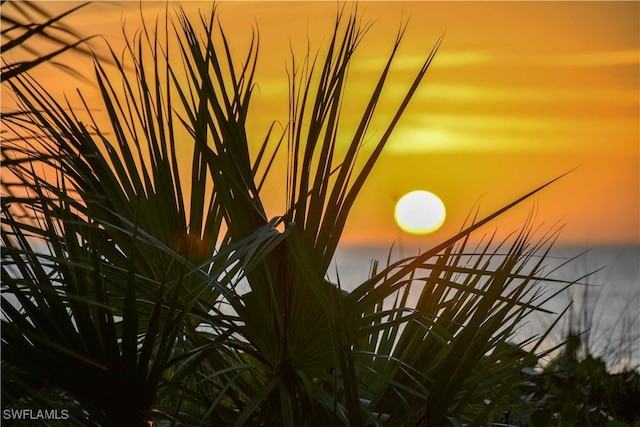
x,y
145,300
26,25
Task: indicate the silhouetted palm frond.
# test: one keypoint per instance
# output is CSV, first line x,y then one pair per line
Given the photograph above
x,y
26,26
147,290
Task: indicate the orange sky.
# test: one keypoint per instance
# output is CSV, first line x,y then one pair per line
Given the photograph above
x,y
518,94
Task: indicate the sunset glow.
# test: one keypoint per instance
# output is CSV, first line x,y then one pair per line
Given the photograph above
x,y
518,94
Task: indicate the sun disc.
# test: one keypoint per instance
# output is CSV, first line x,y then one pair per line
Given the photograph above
x,y
420,212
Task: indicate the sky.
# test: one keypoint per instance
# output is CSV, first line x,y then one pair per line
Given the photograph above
x,y
518,94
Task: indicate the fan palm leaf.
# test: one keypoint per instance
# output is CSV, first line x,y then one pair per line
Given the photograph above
x,y
200,304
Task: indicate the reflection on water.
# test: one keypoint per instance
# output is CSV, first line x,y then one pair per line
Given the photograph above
x,y
605,295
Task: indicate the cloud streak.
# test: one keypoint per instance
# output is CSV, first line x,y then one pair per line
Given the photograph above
x,y
483,57
478,133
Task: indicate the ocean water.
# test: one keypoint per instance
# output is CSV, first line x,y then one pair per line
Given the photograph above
x,y
603,294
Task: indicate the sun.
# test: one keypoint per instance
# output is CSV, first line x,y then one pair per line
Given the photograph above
x,y
420,212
